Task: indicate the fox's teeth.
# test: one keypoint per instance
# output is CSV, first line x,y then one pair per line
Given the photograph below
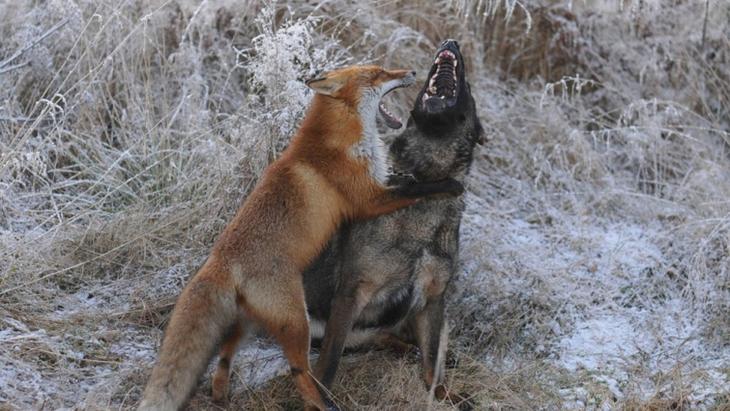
x,y
382,107
391,120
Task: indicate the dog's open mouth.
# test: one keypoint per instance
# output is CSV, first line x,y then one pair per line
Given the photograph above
x,y
443,83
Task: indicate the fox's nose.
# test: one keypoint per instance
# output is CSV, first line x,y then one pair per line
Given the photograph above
x,y
413,72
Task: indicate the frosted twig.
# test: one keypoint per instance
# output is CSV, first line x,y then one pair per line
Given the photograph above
x,y
32,44
704,24
13,67
16,119
185,35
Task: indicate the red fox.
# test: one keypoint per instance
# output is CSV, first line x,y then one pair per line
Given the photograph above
x,y
333,170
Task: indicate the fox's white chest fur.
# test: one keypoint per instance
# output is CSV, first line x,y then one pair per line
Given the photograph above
x,y
371,147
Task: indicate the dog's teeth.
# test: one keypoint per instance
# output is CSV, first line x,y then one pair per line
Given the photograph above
x,y
432,85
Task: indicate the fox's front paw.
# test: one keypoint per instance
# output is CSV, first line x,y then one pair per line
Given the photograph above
x,y
430,189
400,179
452,187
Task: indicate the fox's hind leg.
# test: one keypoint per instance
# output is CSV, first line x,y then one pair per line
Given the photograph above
x,y
282,312
231,342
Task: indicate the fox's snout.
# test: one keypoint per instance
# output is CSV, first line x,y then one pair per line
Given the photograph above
x,y
397,79
360,77
407,77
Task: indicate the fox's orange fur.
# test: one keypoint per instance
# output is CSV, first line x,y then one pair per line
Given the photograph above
x,y
254,269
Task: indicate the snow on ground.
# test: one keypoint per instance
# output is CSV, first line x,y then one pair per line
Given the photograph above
x,y
622,318
258,362
610,346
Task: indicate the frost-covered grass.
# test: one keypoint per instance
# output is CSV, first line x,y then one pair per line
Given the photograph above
x,y
595,246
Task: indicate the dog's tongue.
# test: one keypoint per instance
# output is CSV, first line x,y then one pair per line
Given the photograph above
x,y
390,120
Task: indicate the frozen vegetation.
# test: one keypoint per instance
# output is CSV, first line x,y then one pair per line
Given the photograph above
x,y
595,247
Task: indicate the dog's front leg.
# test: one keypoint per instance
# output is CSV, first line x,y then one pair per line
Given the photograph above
x,y
431,332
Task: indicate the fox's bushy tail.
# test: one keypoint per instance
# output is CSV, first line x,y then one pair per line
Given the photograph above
x,y
203,313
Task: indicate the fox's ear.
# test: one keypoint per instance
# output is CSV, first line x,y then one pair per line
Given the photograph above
x,y
326,84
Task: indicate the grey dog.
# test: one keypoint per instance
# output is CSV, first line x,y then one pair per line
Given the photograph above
x,y
384,280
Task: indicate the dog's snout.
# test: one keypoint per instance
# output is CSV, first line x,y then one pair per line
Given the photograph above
x,y
448,43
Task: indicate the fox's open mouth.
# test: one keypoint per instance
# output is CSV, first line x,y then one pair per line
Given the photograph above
x,y
391,120
441,91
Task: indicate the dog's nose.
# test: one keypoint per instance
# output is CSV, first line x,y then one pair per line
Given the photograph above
x,y
450,43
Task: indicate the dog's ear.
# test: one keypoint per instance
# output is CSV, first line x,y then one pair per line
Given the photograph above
x,y
327,83
478,131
